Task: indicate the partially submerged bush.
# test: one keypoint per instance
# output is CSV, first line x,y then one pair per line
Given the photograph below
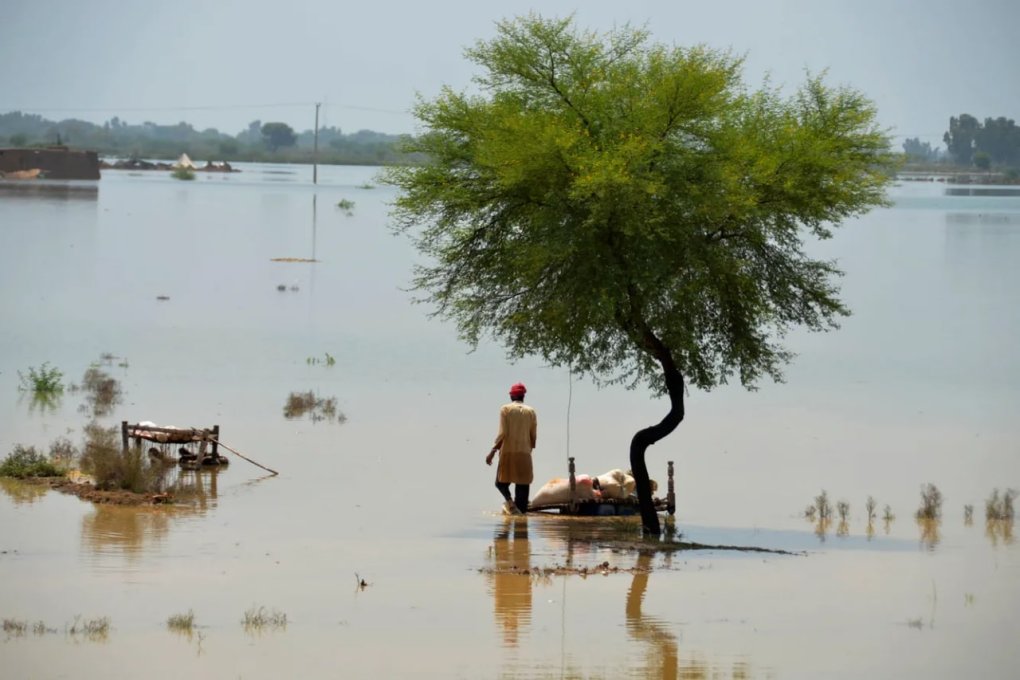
x,y
102,391
823,506
1000,507
869,508
25,462
931,502
843,508
317,408
113,468
183,172
45,380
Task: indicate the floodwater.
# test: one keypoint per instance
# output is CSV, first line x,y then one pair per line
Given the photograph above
x,y
920,385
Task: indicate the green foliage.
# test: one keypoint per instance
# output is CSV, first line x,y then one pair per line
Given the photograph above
x,y
609,204
25,462
183,173
345,205
982,160
45,380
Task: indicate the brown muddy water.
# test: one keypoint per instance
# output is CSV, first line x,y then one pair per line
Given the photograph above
x,y
919,386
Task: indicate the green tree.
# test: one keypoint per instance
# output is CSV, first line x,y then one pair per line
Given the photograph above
x,y
982,160
277,135
632,211
960,138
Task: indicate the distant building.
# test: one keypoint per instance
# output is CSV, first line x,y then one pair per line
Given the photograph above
x,y
53,162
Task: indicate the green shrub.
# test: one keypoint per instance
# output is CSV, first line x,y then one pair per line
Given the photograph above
x,y
43,380
25,462
113,468
183,173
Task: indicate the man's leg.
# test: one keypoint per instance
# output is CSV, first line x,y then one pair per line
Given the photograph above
x,y
521,496
504,488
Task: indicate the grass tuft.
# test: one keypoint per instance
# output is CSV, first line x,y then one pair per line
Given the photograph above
x,y
182,623
93,629
258,618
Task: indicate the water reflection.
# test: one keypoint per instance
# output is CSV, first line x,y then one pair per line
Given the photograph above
x,y
999,531
511,592
53,190
131,531
982,191
930,531
663,659
514,572
22,492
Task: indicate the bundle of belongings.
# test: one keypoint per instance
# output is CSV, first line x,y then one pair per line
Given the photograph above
x,y
613,485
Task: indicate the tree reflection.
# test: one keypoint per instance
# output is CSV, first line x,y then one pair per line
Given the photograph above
x,y
663,658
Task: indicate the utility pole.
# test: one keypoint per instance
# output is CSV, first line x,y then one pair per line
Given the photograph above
x,y
315,149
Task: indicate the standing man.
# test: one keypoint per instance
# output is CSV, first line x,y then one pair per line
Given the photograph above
x,y
518,427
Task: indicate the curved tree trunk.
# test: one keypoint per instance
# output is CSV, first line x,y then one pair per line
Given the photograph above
x,y
649,435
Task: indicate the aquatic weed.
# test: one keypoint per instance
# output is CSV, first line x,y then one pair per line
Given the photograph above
x,y
258,618
823,505
869,508
182,623
15,628
931,502
92,629
1000,507
45,380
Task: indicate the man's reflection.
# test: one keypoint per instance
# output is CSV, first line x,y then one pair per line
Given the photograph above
x,y
510,579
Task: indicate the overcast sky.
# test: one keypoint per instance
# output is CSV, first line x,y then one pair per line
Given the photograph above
x,y
224,63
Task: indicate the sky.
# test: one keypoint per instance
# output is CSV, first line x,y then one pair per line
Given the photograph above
x,y
225,63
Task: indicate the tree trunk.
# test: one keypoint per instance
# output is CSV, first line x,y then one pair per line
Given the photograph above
x,y
648,436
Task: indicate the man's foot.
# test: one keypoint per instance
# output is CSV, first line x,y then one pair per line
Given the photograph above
x,y
510,509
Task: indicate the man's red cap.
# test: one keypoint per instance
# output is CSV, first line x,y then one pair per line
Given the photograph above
x,y
518,390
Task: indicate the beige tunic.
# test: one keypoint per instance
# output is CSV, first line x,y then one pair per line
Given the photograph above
x,y
518,428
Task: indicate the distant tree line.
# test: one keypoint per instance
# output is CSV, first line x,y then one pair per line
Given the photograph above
x,y
270,141
994,143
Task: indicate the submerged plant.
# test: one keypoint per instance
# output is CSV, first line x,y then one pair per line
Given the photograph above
x,y
15,628
45,380
869,508
887,514
843,508
258,618
183,173
968,514
1000,507
823,505
102,391
93,629
346,205
299,404
182,623
931,502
